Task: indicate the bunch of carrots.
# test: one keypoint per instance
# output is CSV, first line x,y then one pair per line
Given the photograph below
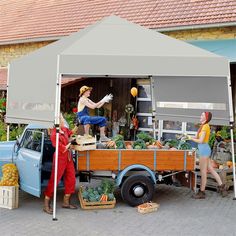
x,y
104,198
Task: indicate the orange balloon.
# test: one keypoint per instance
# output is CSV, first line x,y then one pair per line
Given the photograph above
x,y
134,92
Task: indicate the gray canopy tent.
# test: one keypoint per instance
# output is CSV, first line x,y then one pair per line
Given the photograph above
x,y
185,80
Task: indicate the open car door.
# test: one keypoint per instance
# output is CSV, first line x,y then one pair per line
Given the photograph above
x,y
28,158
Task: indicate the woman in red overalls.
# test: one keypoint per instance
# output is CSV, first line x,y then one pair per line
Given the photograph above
x,y
65,168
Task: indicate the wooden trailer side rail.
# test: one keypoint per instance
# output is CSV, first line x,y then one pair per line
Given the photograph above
x,y
117,160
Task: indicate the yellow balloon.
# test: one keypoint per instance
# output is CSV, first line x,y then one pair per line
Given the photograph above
x,y
134,91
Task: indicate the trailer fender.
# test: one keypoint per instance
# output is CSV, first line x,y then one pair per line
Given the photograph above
x,y
121,175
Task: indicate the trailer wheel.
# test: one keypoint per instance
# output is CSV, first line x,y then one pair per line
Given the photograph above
x,y
137,189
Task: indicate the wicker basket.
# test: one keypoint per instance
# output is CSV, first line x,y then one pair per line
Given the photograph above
x,y
148,207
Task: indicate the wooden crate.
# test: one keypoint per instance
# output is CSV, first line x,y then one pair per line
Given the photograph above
x,y
95,205
84,144
9,197
225,174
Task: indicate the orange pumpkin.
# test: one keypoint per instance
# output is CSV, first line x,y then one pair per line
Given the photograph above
x,y
229,164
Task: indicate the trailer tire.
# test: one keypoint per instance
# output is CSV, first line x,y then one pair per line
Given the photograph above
x,y
137,189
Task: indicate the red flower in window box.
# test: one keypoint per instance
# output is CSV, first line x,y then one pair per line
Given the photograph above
x,y
74,110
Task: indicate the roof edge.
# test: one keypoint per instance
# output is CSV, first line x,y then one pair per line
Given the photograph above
x,y
32,40
187,27
164,29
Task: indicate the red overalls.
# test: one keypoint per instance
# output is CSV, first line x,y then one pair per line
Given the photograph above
x,y
65,164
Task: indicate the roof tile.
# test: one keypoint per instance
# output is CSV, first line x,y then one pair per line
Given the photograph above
x,y
32,19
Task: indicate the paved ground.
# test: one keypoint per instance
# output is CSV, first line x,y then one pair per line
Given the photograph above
x,y
178,215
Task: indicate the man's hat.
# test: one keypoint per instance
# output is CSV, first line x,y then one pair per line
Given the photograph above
x,y
83,89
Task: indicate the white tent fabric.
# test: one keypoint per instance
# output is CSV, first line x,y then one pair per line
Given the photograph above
x,y
113,47
188,97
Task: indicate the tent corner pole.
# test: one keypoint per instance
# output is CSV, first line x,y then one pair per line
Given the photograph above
x,y
8,132
57,126
55,173
153,107
8,75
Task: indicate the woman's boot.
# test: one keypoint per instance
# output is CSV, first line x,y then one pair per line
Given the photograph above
x,y
66,202
223,190
199,195
47,207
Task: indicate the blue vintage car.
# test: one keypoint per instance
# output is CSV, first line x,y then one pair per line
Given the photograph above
x,y
32,153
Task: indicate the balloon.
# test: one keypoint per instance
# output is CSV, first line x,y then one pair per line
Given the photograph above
x,y
134,91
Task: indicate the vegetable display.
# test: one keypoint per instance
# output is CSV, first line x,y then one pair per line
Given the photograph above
x,y
146,137
117,142
102,193
139,144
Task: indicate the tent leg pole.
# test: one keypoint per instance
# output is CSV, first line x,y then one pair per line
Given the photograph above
x,y
153,107
55,176
57,124
8,132
233,159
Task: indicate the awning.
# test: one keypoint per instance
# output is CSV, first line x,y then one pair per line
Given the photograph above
x,y
225,48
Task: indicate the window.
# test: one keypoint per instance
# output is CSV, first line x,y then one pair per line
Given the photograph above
x,y
32,140
191,127
172,125
165,129
144,90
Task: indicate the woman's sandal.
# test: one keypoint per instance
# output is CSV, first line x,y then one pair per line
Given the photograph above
x,y
70,206
48,210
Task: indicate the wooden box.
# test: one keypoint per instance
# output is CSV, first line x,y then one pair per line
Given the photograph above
x,y
9,197
225,174
84,143
148,207
95,205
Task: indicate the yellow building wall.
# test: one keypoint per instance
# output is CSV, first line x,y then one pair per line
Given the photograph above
x,y
13,51
204,34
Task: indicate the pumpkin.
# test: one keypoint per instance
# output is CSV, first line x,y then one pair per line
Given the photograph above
x,y
229,164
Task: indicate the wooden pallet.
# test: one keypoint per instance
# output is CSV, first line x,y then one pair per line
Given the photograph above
x,y
95,205
225,174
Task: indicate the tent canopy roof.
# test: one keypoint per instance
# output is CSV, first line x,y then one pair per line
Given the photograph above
x,y
110,47
114,46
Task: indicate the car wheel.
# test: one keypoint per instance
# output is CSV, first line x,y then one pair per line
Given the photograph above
x,y
137,189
